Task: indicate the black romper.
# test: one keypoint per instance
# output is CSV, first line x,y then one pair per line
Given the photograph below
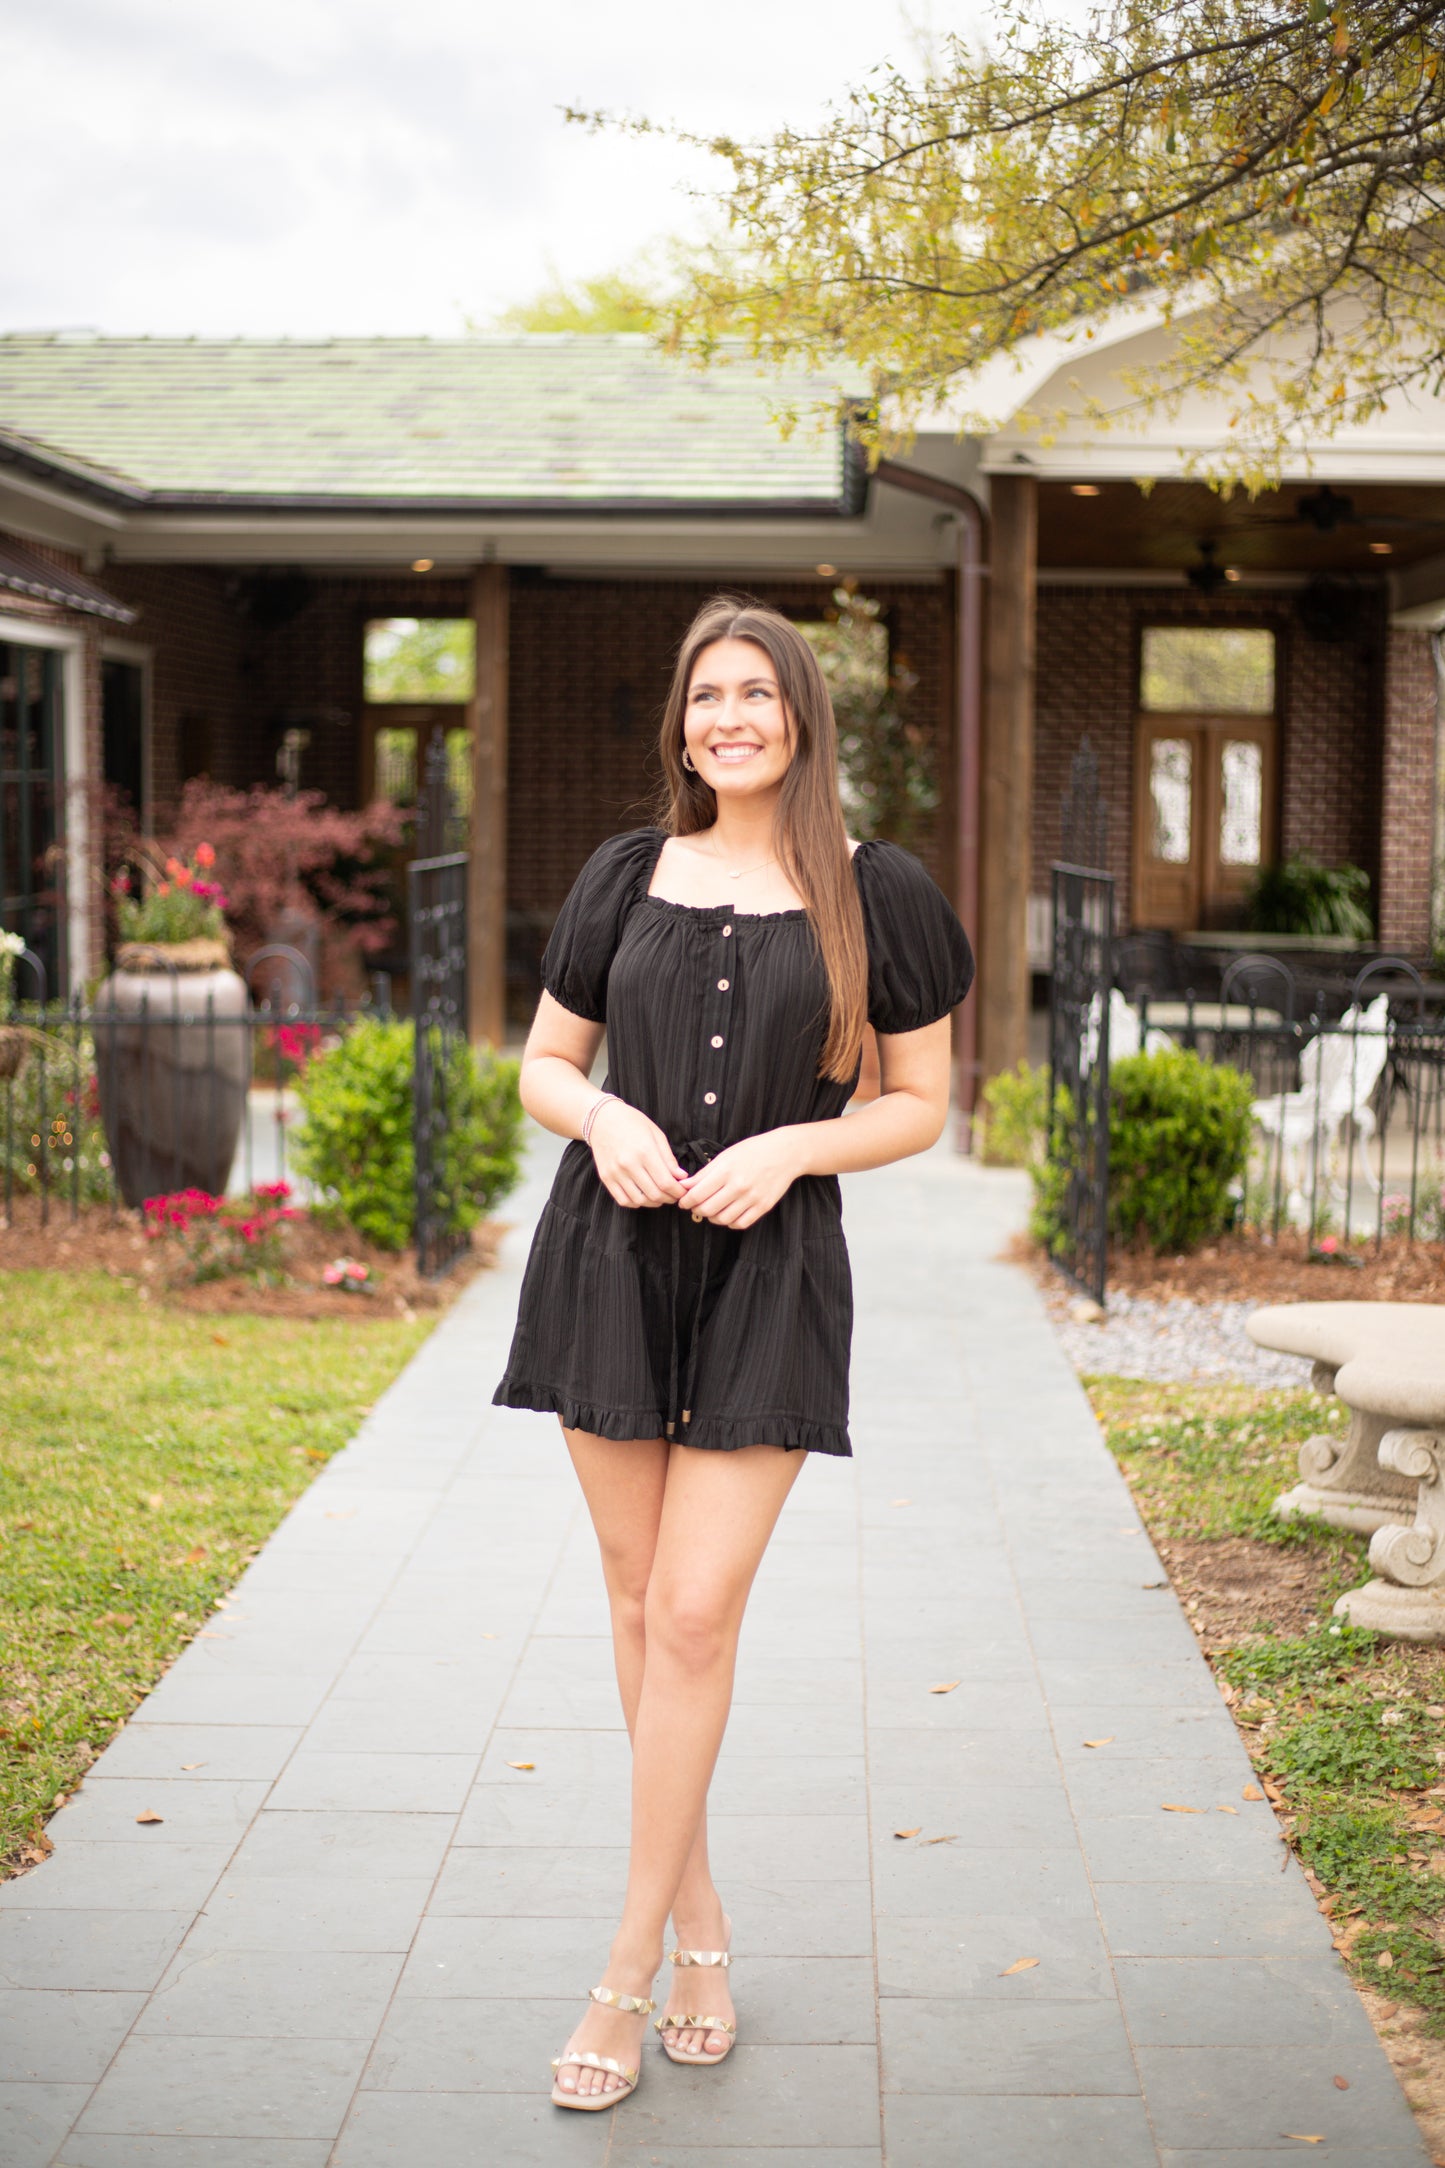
x,y
641,1322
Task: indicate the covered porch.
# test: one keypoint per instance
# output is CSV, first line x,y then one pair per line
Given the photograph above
x,y
1256,677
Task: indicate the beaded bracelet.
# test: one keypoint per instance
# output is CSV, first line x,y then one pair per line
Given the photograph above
x,y
592,1113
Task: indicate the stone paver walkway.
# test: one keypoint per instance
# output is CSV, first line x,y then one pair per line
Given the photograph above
x,y
360,1930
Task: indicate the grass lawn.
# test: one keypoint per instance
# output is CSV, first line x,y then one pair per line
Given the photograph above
x,y
145,1454
1347,1730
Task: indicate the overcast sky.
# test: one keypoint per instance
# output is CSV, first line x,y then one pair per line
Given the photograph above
x,y
355,166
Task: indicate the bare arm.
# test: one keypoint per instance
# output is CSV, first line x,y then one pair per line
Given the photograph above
x,y
633,1156
747,1179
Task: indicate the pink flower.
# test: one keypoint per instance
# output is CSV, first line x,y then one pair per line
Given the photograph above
x,y
1328,1244
205,854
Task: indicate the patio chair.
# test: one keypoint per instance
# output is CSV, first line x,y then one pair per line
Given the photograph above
x,y
1339,1071
1124,1033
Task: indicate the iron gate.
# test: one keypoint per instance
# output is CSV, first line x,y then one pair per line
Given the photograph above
x,y
437,912
1078,1122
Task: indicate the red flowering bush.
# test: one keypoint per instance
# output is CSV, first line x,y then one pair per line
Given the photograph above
x,y
294,1044
223,1237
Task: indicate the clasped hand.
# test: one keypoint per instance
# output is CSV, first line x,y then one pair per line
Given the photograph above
x,y
638,1167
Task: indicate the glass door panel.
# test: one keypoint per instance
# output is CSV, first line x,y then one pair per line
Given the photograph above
x,y
1166,826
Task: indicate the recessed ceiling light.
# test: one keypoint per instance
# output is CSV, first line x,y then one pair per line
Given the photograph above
x,y
1382,549
422,564
826,572
1083,489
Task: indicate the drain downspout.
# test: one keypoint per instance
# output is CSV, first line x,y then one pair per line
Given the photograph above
x,y
968,697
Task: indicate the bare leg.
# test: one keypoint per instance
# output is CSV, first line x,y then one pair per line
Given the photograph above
x,y
624,1485
677,1614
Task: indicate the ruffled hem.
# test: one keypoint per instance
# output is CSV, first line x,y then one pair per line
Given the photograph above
x,y
716,1433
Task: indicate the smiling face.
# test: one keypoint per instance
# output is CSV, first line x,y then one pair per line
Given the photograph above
x,y
735,724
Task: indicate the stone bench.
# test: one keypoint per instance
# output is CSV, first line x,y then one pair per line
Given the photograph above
x,y
1386,1476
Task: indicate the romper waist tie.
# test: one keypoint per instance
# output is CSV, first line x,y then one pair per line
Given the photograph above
x,y
693,1154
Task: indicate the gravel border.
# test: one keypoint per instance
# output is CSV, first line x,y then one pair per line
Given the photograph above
x,y
1176,1342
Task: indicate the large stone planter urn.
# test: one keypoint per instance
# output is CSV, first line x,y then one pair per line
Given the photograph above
x,y
171,1063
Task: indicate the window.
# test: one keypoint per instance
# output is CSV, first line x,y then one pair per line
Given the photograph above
x,y
1207,669
411,659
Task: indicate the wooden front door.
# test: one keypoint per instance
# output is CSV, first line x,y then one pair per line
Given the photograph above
x,y
1204,799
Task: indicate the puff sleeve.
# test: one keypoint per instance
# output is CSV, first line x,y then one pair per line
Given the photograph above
x,y
920,964
584,938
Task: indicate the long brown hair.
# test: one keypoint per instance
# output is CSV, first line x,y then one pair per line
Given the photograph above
x,y
809,835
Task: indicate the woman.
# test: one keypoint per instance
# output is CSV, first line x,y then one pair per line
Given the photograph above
x,y
687,1306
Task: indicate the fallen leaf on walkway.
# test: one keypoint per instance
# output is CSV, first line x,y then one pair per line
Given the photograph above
x,y
491,1637
947,1686
1109,1741
900,1501
908,1832
1024,1964
150,1815
193,1765
1169,1808
1226,1810
1303,2137
1343,2084
1251,1791
340,1513
521,1765
941,1840
1153,1584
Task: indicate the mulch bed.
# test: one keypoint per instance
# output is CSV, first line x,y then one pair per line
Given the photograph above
x,y
99,1241
1245,1268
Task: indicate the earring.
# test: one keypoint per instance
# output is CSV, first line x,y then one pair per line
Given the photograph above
x,y
687,760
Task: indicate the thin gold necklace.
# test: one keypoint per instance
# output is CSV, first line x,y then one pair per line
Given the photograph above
x,y
735,873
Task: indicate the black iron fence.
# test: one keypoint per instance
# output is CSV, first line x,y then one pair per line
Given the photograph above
x,y
167,1081
1080,1017
1349,1098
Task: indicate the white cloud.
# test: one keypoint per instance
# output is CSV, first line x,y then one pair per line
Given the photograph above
x,y
355,166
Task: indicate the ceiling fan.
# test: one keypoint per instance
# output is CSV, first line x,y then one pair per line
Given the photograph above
x,y
1327,510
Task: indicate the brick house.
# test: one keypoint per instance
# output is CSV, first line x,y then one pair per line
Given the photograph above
x,y
195,534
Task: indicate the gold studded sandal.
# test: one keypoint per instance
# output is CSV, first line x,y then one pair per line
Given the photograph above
x,y
683,2023
584,2059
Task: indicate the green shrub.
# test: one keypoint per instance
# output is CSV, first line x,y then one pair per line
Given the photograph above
x,y
1302,895
355,1142
1017,1109
1179,1133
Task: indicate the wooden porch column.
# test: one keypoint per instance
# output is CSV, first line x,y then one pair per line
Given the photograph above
x,y
487,887
1008,775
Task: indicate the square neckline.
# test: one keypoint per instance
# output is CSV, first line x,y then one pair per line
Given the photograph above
x,y
725,910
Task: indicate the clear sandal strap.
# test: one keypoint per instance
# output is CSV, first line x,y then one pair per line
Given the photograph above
x,y
634,2005
585,2059
699,1957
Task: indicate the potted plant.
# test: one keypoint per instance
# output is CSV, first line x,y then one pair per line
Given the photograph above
x,y
170,1033
12,1035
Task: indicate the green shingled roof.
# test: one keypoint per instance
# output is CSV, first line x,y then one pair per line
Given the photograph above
x,y
531,421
